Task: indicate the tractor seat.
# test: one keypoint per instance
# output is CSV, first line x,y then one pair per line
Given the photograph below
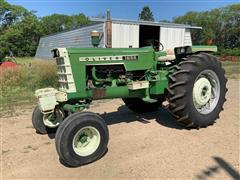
x,y
169,57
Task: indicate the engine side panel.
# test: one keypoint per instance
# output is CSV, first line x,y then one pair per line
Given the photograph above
x,y
132,58
81,58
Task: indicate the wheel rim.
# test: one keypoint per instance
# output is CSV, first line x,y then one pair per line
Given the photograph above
x,y
206,91
53,120
86,141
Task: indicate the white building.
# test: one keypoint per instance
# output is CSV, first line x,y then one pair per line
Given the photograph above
x,y
119,34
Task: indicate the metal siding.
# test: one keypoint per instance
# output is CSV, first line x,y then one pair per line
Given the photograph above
x,y
172,37
125,35
187,38
75,38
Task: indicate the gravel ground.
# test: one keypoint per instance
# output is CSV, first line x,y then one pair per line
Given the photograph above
x,y
146,146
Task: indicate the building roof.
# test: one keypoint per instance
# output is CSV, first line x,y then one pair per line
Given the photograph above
x,y
150,23
126,21
79,27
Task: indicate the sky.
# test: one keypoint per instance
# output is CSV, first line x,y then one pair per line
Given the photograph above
x,y
121,9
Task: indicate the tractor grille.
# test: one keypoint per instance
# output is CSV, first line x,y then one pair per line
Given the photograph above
x,y
65,76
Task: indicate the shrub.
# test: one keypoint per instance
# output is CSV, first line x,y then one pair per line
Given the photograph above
x,y
230,52
20,83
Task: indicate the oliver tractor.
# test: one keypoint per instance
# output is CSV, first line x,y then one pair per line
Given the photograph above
x,y
192,86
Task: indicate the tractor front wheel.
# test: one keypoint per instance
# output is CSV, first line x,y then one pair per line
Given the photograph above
x,y
82,138
197,90
43,123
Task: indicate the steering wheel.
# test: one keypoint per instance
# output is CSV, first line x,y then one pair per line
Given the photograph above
x,y
161,47
157,45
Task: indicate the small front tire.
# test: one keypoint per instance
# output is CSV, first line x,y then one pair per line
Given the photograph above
x,y
81,139
37,121
41,121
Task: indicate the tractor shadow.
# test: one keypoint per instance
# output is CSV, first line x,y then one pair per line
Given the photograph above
x,y
220,164
124,115
51,134
68,166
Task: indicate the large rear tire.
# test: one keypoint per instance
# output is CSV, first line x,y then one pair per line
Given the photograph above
x,y
82,138
139,106
197,90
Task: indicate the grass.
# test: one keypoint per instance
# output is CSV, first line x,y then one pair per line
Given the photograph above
x,y
19,84
232,69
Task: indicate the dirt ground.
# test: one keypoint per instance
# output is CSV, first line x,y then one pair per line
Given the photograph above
x,y
145,146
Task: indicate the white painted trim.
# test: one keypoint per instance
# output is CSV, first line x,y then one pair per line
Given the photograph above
x,y
71,84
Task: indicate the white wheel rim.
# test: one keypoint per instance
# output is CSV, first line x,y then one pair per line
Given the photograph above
x,y
202,91
86,141
47,122
206,91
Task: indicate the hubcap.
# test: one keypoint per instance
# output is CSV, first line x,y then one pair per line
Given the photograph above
x,y
206,91
202,91
86,141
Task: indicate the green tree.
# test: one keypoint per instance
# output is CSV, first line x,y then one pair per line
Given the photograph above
x,y
146,14
21,38
20,29
222,25
11,14
230,36
59,22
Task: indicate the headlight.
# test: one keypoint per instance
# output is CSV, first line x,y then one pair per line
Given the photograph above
x,y
182,51
55,53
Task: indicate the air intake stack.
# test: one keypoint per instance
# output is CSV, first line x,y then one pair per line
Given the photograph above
x,y
108,30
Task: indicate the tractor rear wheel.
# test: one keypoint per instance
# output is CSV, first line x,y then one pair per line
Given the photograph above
x,y
196,91
139,106
82,138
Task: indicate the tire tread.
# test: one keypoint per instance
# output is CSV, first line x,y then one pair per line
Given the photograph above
x,y
176,90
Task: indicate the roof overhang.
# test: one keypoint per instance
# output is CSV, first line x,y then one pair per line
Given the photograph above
x,y
150,23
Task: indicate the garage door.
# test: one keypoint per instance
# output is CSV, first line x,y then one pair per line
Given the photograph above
x,y
125,35
172,37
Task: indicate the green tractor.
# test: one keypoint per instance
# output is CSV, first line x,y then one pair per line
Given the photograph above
x,y
192,86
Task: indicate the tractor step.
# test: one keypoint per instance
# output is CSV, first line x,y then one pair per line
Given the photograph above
x,y
165,104
138,85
